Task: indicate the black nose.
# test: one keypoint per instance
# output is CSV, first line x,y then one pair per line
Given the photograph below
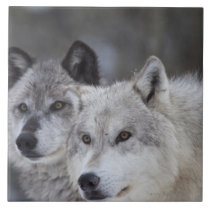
x,y
26,142
88,182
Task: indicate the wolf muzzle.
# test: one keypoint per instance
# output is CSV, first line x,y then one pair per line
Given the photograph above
x,y
26,143
89,183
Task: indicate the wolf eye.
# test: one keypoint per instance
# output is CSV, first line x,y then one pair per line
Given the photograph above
x,y
86,139
58,105
123,136
23,107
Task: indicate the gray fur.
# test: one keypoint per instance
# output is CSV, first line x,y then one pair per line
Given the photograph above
x,y
31,125
81,64
162,160
19,62
39,86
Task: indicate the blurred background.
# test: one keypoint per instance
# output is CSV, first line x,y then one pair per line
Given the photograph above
x,y
123,38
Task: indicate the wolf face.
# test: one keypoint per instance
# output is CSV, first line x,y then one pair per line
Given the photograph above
x,y
123,147
43,100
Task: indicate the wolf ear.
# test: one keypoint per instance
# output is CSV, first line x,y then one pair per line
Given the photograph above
x,y
81,63
19,62
152,82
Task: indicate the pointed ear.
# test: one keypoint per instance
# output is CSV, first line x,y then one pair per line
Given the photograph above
x,y
19,62
152,82
81,63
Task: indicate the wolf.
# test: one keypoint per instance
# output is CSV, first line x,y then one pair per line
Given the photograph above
x,y
140,140
40,117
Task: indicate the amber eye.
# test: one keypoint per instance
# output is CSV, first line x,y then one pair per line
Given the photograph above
x,y
123,136
58,105
86,139
23,107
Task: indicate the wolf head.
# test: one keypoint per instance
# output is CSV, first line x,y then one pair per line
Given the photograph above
x,y
43,100
118,149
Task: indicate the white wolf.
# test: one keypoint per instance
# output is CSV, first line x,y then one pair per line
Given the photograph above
x,y
140,140
41,114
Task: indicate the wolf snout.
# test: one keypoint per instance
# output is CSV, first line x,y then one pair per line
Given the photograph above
x,y
88,182
26,142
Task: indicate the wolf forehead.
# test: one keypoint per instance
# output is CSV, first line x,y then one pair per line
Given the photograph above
x,y
106,106
45,78
48,74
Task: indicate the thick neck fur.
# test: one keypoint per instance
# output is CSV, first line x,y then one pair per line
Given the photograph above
x,y
48,181
185,112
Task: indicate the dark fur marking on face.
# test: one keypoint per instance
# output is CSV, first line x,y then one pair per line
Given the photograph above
x,y
31,125
149,142
80,106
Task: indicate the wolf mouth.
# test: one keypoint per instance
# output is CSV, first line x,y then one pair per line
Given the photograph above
x,y
123,191
97,196
31,155
35,156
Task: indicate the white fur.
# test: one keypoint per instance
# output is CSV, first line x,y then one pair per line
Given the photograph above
x,y
162,160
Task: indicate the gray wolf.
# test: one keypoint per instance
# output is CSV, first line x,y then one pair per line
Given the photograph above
x,y
140,140
40,117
